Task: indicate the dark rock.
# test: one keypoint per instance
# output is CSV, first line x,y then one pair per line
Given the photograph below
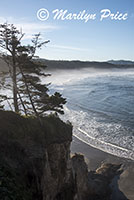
x,y
35,163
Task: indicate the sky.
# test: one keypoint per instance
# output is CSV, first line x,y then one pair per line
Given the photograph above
x,y
73,39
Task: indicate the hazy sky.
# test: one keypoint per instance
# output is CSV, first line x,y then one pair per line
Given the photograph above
x,y
76,39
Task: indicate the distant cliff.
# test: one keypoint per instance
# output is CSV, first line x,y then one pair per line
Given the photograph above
x,y
76,64
121,62
54,64
35,163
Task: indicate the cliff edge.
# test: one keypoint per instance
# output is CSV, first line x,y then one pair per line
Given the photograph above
x,y
35,163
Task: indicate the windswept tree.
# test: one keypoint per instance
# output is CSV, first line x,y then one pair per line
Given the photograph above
x,y
30,96
10,39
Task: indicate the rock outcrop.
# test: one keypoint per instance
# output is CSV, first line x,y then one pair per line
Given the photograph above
x,y
35,163
94,185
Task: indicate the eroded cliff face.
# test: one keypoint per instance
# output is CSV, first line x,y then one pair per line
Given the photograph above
x,y
35,168
57,180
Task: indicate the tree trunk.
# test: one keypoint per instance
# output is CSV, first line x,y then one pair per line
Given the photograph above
x,y
15,99
29,95
25,111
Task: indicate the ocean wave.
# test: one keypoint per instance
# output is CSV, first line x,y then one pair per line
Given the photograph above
x,y
100,104
112,138
104,146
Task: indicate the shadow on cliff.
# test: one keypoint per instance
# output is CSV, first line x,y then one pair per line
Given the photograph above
x,y
35,163
117,194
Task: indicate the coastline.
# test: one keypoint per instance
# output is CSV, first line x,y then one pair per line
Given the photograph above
x,y
95,157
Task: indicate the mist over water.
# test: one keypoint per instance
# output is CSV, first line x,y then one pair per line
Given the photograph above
x,y
100,107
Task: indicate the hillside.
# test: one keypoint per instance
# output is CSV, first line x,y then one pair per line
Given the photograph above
x,y
61,64
121,62
53,64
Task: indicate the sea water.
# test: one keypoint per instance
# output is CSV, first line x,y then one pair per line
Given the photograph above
x,y
100,105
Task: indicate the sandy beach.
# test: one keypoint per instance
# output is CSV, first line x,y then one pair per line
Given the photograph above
x,y
124,184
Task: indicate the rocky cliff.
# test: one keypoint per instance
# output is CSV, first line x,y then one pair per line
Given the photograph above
x,y
35,163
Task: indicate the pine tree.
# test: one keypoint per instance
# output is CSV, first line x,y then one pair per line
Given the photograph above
x,y
29,95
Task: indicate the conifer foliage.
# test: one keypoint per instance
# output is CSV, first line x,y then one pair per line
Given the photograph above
x,y
29,95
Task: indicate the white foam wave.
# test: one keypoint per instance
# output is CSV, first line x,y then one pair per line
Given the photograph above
x,y
102,142
111,138
106,147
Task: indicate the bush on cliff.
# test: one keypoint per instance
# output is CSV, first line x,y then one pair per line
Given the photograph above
x,y
53,129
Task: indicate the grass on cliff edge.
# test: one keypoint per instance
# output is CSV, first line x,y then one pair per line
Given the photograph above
x,y
16,127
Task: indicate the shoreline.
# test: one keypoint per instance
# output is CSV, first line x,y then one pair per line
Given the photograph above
x,y
95,157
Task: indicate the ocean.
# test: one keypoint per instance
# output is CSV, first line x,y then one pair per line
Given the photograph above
x,y
100,106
